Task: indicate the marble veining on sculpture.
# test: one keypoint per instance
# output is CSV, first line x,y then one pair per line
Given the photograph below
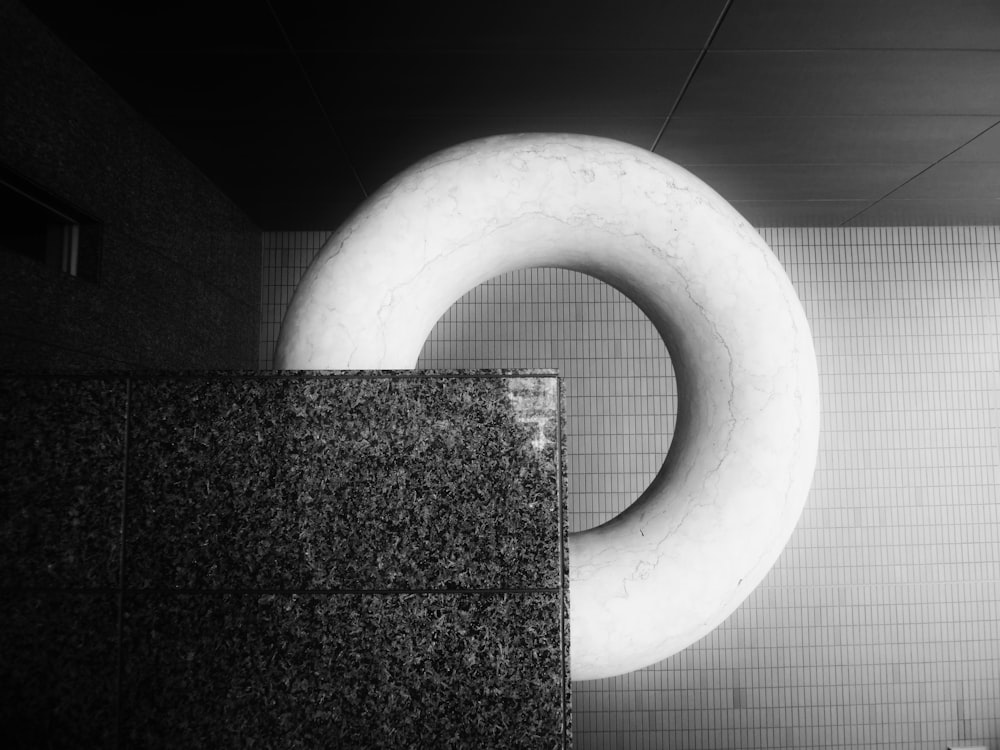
x,y
670,568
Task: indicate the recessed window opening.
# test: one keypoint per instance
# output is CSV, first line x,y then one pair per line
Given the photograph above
x,y
46,229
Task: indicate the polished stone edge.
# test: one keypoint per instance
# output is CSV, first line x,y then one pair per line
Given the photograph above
x,y
102,374
563,485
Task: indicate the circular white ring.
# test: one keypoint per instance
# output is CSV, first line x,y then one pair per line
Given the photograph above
x,y
679,560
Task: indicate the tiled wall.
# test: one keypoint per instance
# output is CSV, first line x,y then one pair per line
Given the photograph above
x,y
880,624
219,561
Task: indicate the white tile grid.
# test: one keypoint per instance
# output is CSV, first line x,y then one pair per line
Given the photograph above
x,y
880,624
285,256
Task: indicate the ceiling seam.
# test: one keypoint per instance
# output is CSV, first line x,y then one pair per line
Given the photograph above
x,y
903,184
319,102
893,50
690,75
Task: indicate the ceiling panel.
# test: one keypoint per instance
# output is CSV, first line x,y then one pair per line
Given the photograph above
x,y
860,24
546,25
381,148
936,212
985,148
798,213
950,180
207,86
287,169
817,140
635,84
845,83
803,111
805,181
95,28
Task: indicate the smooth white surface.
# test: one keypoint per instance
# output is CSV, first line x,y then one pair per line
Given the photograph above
x,y
670,568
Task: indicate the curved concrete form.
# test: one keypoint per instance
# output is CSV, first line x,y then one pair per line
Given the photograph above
x,y
676,563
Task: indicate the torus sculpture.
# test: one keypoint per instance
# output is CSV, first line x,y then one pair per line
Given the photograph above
x,y
679,560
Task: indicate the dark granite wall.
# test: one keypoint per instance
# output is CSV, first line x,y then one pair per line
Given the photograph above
x,y
180,268
291,560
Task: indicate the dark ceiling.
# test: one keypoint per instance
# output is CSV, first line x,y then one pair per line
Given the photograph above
x,y
800,112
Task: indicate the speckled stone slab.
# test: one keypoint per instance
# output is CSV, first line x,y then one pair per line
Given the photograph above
x,y
344,671
341,482
58,669
62,452
284,560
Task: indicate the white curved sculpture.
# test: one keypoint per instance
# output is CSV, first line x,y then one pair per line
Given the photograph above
x,y
676,563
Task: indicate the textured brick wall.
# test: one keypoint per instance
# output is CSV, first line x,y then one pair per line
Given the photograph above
x,y
180,277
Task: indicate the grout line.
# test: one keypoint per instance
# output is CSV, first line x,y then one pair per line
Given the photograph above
x,y
318,100
690,75
845,222
793,50
119,679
